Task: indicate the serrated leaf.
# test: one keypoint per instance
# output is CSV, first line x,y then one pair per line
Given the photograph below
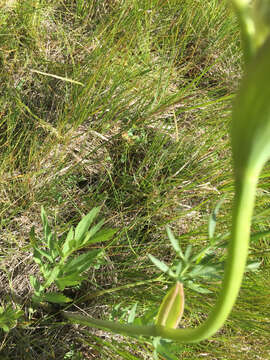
x,y
172,307
132,314
102,235
81,263
159,264
83,226
56,298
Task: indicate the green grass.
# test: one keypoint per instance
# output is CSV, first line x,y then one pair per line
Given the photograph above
x,y
146,136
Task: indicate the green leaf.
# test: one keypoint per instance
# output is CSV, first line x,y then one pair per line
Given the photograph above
x,y
202,271
259,235
69,242
213,220
52,245
93,231
85,223
188,253
132,314
9,317
36,285
195,287
43,253
159,264
32,236
56,298
81,263
46,227
172,307
37,257
174,242
102,235
71,280
52,277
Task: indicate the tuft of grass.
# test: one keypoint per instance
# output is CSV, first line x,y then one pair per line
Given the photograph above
x,y
146,137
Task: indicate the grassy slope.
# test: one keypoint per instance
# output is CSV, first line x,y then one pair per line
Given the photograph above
x,y
146,136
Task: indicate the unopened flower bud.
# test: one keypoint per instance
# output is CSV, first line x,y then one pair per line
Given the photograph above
x,y
172,307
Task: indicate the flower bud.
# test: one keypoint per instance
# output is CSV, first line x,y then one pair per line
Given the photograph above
x,y
172,307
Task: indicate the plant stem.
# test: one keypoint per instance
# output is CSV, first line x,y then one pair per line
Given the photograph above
x,y
234,271
247,27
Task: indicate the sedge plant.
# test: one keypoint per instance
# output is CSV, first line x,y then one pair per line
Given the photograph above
x,y
250,138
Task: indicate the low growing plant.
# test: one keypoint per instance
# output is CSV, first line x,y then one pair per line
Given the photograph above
x,y
9,317
250,137
58,258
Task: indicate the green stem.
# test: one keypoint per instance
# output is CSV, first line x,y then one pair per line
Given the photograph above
x,y
234,271
247,27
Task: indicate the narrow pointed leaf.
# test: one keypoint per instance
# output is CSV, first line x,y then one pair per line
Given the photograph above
x,y
85,223
159,264
93,231
42,253
195,287
46,227
174,242
67,246
188,252
102,235
81,262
